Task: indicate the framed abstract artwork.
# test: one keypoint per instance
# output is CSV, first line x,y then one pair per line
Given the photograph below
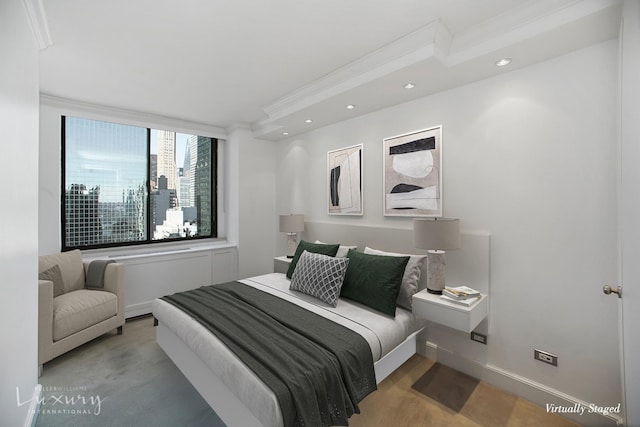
x,y
344,178
412,173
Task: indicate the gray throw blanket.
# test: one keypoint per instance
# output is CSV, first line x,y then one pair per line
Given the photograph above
x,y
95,274
317,369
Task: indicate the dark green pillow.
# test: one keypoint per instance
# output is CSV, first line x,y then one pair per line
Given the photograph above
x,y
317,248
374,280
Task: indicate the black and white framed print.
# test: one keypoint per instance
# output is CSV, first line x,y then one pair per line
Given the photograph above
x,y
344,176
413,173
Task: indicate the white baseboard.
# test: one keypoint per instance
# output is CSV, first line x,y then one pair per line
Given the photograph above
x,y
34,407
140,309
530,390
430,351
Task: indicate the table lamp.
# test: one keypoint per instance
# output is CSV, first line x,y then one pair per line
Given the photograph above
x,y
291,224
437,235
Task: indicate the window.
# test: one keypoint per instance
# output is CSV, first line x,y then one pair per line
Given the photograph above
x,y
127,185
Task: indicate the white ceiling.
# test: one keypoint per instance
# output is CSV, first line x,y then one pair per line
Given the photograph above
x,y
272,64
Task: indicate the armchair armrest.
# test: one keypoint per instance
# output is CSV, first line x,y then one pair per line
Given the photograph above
x,y
114,278
114,282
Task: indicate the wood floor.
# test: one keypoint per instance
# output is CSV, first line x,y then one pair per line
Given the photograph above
x,y
396,403
139,386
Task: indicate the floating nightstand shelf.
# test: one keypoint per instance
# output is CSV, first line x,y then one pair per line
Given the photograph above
x,y
435,309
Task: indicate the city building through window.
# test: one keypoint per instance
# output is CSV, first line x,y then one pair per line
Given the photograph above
x,y
126,185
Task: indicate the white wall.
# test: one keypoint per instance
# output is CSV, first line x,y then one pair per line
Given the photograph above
x,y
529,157
251,201
19,174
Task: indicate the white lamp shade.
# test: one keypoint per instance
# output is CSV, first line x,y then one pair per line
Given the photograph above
x,y
293,223
436,233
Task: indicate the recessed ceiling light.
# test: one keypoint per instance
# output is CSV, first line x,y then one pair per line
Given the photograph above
x,y
409,86
285,133
308,121
503,62
350,107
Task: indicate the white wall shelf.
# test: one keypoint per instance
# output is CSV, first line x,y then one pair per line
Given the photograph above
x,y
457,316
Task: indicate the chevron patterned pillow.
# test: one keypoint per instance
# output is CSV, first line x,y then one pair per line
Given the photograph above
x,y
320,276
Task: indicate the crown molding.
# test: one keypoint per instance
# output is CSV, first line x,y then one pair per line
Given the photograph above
x,y
434,48
262,130
135,118
38,22
239,126
529,20
430,41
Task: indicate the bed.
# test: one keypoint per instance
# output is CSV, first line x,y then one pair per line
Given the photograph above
x,y
233,390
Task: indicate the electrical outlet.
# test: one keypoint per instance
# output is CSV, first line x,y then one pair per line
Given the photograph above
x,y
545,357
478,337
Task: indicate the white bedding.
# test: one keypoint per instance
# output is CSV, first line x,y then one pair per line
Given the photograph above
x,y
383,333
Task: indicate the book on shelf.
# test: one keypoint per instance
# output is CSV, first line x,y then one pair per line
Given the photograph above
x,y
468,302
460,292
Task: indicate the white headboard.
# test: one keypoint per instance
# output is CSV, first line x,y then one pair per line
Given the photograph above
x,y
469,265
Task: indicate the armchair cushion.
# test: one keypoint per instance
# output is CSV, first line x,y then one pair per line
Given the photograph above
x,y
55,275
77,310
71,267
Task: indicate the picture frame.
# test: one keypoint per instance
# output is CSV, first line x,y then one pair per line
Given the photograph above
x,y
412,173
344,181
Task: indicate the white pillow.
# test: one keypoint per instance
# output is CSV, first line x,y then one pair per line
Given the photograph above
x,y
343,250
410,278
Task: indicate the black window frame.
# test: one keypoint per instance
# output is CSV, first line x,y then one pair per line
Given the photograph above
x,y
149,232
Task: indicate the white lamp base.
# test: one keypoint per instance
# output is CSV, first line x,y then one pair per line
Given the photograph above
x,y
435,272
292,244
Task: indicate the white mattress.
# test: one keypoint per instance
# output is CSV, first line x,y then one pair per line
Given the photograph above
x,y
382,332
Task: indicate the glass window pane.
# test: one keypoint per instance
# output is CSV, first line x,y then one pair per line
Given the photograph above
x,y
105,183
131,185
181,177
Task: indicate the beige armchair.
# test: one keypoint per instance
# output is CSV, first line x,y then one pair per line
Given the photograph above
x,y
69,314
